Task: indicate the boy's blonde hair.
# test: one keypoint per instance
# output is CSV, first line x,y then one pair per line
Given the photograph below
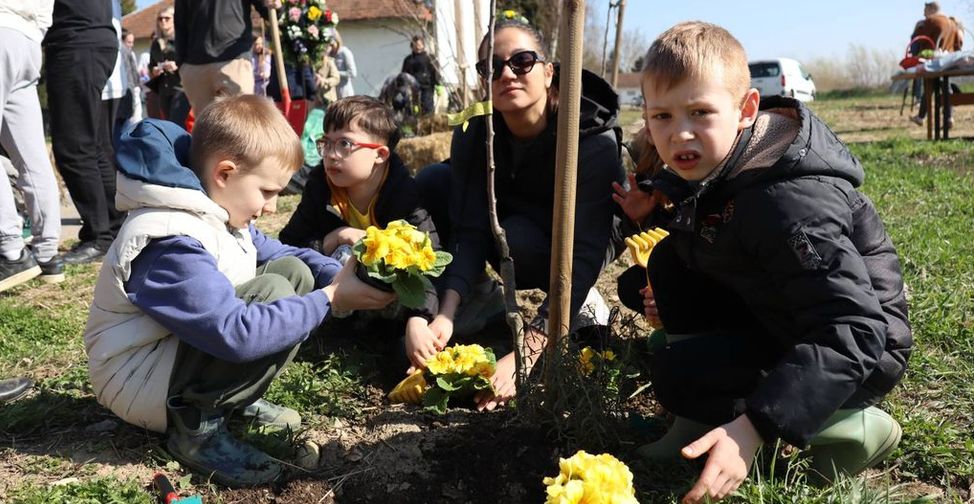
x,y
247,130
695,49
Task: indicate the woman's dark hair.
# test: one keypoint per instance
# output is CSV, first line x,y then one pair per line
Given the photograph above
x,y
503,24
512,23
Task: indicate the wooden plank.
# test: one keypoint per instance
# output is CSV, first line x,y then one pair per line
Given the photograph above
x,y
961,99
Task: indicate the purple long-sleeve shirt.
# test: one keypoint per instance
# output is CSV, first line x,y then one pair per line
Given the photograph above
x,y
177,282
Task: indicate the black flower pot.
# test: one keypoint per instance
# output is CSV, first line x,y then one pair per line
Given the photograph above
x,y
362,273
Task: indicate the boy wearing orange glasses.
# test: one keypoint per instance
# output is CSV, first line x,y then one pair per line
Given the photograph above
x,y
361,182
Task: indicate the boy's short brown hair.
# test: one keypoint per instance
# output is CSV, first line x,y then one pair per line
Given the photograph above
x,y
695,49
370,115
247,130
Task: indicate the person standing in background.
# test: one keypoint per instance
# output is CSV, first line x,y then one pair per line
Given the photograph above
x,y
213,41
130,110
80,51
345,62
261,59
22,27
165,82
419,65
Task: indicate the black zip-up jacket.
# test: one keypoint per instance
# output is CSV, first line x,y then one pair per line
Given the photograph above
x,y
525,181
811,261
398,199
421,67
212,31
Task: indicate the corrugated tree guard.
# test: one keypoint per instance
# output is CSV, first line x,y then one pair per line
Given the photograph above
x,y
566,161
514,318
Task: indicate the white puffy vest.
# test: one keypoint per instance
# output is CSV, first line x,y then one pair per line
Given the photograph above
x,y
130,355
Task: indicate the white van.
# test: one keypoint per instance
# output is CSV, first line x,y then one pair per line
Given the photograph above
x,y
782,76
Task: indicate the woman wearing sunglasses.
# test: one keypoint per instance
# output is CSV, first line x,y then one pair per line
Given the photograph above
x,y
525,101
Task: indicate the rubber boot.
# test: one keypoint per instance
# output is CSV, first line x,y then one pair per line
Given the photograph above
x,y
204,445
852,441
271,416
683,432
656,340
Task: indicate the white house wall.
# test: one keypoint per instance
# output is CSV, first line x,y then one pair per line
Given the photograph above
x,y
378,49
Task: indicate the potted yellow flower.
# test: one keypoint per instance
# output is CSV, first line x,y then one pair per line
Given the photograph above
x,y
591,479
456,371
399,258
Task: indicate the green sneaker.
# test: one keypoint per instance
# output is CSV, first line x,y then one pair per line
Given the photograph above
x,y
851,442
211,451
683,432
271,416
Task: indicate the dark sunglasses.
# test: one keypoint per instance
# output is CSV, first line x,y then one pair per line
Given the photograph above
x,y
519,63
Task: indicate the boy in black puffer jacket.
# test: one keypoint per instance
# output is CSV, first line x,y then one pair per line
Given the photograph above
x,y
779,289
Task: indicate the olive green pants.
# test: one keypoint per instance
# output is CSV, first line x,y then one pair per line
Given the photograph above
x,y
206,385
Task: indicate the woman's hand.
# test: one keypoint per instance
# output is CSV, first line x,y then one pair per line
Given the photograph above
x,y
731,447
347,293
503,382
636,203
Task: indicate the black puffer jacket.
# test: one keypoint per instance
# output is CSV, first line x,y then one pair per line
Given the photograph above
x,y
525,181
810,260
398,199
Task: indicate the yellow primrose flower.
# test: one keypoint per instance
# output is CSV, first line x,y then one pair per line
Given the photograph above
x,y
314,13
441,363
424,259
586,478
585,360
470,360
587,355
376,246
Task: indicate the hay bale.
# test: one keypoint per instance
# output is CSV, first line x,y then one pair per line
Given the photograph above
x,y
418,152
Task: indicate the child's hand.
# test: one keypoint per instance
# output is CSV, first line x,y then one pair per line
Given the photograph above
x,y
649,307
349,236
635,203
731,447
347,293
442,328
345,235
421,342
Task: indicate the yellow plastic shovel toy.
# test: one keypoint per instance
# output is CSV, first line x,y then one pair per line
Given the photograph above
x,y
410,390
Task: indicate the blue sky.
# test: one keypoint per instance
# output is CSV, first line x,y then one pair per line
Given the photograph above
x,y
801,30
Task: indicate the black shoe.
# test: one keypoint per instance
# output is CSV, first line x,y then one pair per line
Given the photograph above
x,y
14,388
14,273
84,253
52,270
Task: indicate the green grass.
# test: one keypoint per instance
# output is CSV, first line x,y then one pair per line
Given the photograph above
x,y
99,491
927,203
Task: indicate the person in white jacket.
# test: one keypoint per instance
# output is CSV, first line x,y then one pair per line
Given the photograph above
x,y
23,24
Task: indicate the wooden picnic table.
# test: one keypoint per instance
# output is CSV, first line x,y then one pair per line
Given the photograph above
x,y
939,100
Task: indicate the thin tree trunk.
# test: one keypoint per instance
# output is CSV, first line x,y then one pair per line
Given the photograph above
x,y
566,169
514,318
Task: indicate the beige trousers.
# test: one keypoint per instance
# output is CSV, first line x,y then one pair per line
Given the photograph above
x,y
204,83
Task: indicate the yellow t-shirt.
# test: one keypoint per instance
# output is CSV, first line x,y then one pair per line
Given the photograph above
x,y
357,219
